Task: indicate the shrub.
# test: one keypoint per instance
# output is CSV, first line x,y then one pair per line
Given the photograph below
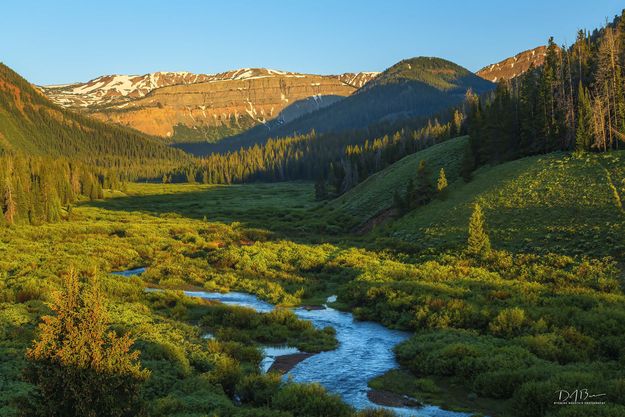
x,y
258,390
509,322
310,400
535,399
227,373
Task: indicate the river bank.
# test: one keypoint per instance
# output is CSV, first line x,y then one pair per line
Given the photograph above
x,y
283,364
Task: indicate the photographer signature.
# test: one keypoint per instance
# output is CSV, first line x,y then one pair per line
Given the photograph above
x,y
578,396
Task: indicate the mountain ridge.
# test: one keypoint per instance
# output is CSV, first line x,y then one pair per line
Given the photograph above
x,y
209,106
514,66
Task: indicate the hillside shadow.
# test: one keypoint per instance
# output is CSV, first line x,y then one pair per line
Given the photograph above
x,y
261,132
286,210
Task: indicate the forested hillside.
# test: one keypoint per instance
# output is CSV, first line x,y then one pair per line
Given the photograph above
x,y
374,197
38,189
50,158
31,125
338,161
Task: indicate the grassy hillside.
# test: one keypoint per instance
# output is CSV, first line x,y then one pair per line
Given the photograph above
x,y
375,195
555,202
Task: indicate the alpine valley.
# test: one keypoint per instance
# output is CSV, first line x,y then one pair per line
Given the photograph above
x,y
419,241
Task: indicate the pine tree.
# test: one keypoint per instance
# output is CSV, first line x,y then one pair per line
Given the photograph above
x,y
467,164
190,175
425,189
478,242
10,206
457,126
321,192
410,196
581,56
551,82
398,202
583,135
607,86
79,367
441,184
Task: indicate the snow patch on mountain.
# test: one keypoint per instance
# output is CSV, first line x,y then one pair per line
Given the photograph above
x,y
117,89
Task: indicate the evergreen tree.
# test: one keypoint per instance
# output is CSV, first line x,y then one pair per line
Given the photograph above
x,y
410,196
321,192
478,242
79,367
581,56
10,207
398,202
190,175
425,189
441,184
468,164
457,120
583,136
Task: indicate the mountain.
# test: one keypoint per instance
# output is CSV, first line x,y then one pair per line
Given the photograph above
x,y
116,89
200,107
417,87
33,125
514,66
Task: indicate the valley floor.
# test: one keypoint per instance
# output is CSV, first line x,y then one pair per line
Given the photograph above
x,y
505,330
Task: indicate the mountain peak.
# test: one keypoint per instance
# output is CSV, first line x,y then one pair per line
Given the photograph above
x,y
436,72
514,66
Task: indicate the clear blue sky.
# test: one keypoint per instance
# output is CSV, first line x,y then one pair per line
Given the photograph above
x,y
51,42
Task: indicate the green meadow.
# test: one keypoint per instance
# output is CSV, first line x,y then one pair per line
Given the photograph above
x,y
544,309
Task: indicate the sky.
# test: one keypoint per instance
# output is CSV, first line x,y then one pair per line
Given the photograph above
x,y
56,42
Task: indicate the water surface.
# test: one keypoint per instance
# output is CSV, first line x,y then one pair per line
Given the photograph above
x,y
130,272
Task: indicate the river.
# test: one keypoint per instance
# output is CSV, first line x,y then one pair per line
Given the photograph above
x,y
365,351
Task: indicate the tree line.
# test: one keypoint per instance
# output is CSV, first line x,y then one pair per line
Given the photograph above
x,y
574,102
36,190
337,161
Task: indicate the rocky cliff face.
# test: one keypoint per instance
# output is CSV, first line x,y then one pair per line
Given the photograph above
x,y
188,107
514,66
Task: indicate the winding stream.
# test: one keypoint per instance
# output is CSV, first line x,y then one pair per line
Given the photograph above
x,y
365,351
